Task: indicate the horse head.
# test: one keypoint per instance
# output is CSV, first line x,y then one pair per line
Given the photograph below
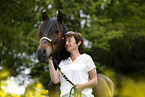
x,y
52,37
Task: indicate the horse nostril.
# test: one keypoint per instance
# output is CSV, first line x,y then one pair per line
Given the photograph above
x,y
41,52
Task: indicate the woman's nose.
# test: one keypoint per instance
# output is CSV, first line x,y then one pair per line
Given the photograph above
x,y
66,43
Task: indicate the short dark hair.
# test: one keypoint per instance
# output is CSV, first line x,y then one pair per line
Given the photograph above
x,y
78,37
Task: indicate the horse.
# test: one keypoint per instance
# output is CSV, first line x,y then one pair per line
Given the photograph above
x,y
52,42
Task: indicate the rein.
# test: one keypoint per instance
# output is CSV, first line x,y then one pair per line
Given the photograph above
x,y
76,94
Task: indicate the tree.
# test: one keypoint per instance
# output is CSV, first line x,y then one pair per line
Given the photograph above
x,y
17,34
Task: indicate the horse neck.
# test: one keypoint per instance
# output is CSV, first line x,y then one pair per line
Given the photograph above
x,y
62,55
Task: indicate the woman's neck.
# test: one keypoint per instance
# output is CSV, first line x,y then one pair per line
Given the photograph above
x,y
74,55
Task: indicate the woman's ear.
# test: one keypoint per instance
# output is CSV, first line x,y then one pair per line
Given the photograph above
x,y
79,43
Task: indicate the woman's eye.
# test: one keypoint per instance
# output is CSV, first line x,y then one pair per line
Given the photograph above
x,y
68,41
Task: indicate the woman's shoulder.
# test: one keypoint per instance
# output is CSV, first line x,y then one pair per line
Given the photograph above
x,y
86,56
65,61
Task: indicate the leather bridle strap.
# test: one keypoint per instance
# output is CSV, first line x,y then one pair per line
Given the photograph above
x,y
56,64
48,39
54,60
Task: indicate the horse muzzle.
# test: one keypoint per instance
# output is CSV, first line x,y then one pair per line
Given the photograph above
x,y
42,55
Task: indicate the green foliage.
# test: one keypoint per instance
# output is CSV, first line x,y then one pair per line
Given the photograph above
x,y
18,40
17,34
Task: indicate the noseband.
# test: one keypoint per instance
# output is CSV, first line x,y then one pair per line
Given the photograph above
x,y
49,40
46,38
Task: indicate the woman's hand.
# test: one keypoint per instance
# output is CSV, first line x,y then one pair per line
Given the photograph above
x,y
50,59
80,87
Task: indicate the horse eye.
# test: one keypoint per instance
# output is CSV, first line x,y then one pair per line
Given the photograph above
x,y
56,32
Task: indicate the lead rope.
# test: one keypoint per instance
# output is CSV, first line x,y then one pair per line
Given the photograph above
x,y
76,93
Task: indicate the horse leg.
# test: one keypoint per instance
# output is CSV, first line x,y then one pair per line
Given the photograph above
x,y
104,87
53,90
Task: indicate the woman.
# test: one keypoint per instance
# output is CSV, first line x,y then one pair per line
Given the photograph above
x,y
79,68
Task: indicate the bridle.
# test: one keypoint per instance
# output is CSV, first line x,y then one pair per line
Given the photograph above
x,y
56,63
49,40
53,57
53,41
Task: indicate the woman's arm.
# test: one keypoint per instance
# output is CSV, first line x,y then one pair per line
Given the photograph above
x,y
54,75
91,83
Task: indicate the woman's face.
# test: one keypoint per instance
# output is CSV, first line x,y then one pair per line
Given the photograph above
x,y
70,44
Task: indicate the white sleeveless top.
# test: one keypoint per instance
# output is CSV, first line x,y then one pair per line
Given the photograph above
x,y
77,72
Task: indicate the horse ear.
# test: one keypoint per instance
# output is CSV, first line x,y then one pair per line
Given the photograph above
x,y
44,16
60,16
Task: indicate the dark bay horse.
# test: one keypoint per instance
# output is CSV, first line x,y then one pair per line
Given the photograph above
x,y
52,42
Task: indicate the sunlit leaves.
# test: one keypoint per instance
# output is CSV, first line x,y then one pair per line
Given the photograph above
x,y
132,88
4,73
35,90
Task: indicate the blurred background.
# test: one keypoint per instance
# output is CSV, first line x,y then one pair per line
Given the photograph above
x,y
113,31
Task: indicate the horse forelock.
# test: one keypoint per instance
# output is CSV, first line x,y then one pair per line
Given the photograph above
x,y
49,26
